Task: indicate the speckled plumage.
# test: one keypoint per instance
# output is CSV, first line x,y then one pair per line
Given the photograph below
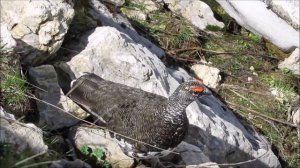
x,y
137,114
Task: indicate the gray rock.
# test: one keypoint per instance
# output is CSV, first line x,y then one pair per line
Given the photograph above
x,y
120,59
63,163
210,75
292,62
39,27
220,135
45,77
6,115
98,138
20,135
254,16
7,42
101,13
191,154
197,12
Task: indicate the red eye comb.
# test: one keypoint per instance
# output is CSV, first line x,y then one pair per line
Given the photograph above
x,y
197,89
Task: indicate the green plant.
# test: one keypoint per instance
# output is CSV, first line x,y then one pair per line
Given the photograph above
x,y
185,33
97,154
255,38
234,68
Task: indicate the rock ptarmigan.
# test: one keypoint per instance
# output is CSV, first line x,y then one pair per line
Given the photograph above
x,y
136,115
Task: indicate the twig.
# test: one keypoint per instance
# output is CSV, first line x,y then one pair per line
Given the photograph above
x,y
38,164
243,97
262,115
240,163
183,59
74,156
29,158
244,89
200,49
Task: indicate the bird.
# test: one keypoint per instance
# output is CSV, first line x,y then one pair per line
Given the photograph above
x,y
144,124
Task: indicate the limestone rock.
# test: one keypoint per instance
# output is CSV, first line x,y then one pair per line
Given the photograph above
x,y
210,75
7,42
45,78
292,62
294,114
100,13
255,16
288,10
131,64
222,138
197,12
39,27
21,135
98,138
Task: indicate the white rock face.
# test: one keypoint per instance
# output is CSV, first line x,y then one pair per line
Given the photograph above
x,y
210,75
20,135
287,9
6,39
38,26
292,62
254,16
213,127
120,59
45,77
98,138
197,12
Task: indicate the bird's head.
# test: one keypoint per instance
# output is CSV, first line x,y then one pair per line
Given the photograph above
x,y
190,90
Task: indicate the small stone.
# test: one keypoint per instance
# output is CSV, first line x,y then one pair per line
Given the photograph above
x,y
197,12
292,62
249,79
210,75
296,116
99,138
251,68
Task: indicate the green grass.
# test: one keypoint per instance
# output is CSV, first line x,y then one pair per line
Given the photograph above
x,y
282,83
14,89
